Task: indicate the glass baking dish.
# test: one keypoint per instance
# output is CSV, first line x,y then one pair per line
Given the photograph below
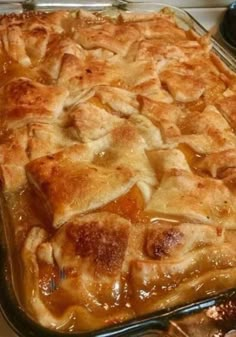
x,y
174,322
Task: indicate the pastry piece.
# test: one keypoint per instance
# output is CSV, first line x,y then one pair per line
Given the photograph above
x,y
12,177
227,107
114,37
36,237
175,278
143,79
25,100
91,122
183,87
13,146
14,45
152,29
148,130
52,22
70,186
100,53
198,199
163,115
36,40
90,252
38,31
45,139
56,21
174,241
140,76
14,153
150,16
165,160
214,81
96,243
168,49
120,100
205,132
78,76
56,49
197,68
159,49
125,146
25,38
217,163
89,18
93,246
18,146
206,122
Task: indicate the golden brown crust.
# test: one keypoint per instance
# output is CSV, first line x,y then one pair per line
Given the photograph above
x,y
91,122
99,237
28,99
217,163
115,131
57,47
184,88
13,147
184,194
152,29
181,274
171,241
118,99
227,106
44,139
74,187
116,38
12,177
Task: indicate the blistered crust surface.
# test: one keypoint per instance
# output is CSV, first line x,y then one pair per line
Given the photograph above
x,y
117,164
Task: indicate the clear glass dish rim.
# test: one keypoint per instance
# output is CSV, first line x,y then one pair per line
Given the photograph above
x,y
15,316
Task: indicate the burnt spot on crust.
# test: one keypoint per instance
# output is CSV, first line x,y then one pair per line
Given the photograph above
x,y
105,246
159,243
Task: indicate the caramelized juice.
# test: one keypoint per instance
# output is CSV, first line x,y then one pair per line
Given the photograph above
x,y
49,278
129,206
26,211
193,158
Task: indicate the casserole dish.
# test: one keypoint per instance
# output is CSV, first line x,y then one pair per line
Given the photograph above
x,y
47,175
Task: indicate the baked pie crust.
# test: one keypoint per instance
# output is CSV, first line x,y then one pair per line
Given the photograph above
x,y
117,165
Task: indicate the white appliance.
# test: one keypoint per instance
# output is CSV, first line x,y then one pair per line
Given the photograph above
x,y
208,13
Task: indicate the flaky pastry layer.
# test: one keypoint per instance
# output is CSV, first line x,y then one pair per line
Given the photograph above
x,y
117,165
